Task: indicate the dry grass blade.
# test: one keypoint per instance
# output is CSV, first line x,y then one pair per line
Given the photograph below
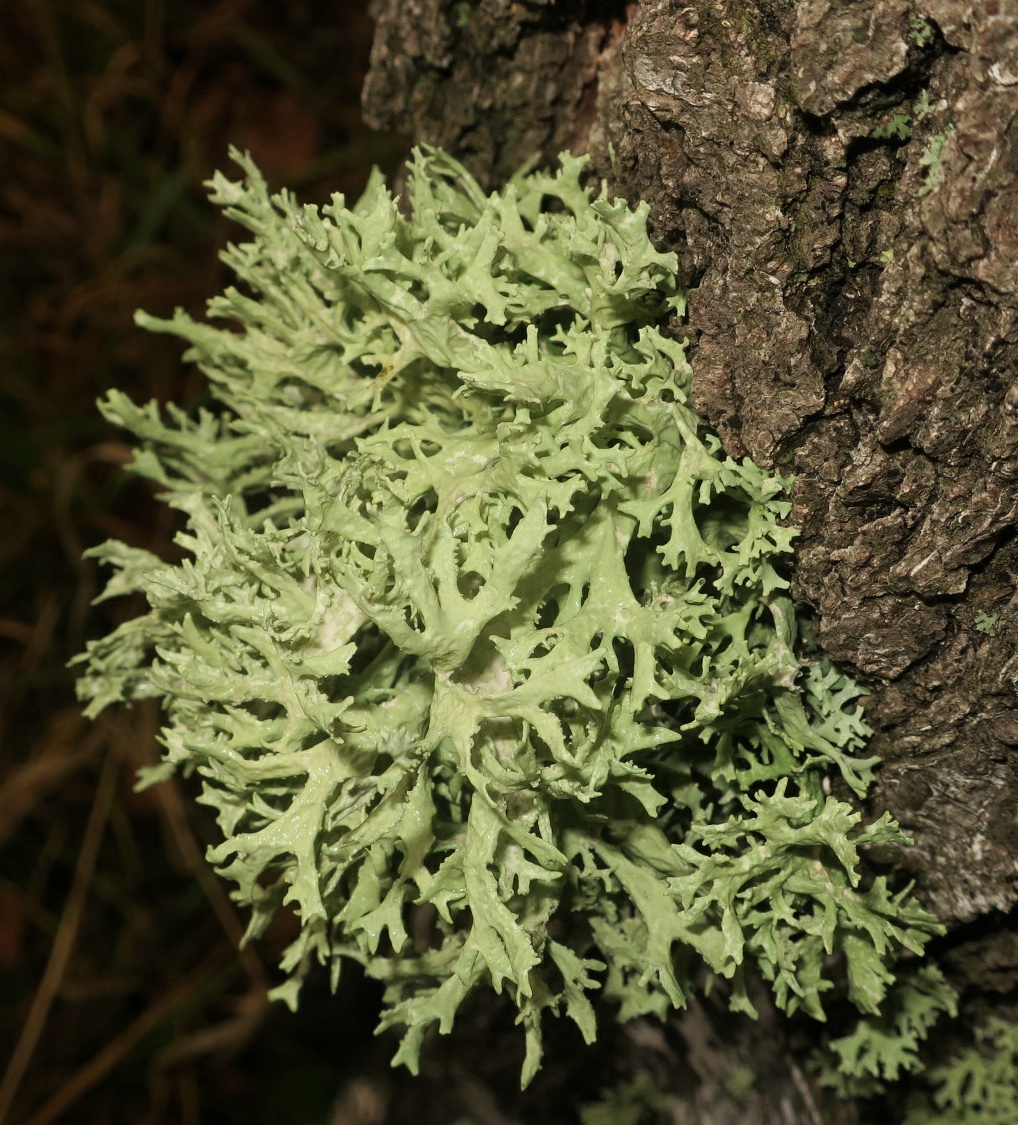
x,y
63,750
112,114
172,807
112,1054
225,1038
63,944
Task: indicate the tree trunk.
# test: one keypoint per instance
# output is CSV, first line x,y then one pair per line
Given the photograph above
x,y
840,182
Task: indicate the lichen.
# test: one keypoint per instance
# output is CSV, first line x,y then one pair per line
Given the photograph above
x,y
978,1087
482,649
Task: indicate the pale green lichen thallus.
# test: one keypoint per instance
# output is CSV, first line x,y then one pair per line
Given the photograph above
x,y
479,623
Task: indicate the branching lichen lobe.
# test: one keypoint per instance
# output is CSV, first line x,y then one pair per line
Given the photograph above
x,y
479,615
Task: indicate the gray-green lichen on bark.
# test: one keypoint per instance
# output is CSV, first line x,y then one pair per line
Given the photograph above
x,y
840,182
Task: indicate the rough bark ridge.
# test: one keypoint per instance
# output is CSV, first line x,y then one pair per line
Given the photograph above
x,y
492,80
845,181
840,180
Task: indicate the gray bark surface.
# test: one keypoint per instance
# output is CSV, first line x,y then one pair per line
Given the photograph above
x,y
840,181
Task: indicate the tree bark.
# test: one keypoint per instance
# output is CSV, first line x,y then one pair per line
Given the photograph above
x,y
840,182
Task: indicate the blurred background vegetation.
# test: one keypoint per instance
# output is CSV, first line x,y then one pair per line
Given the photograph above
x,y
124,996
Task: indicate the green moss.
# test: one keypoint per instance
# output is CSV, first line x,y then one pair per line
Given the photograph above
x,y
932,159
461,12
921,31
897,125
